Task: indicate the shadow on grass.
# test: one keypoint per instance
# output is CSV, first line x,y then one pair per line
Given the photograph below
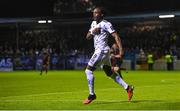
x,y
133,101
146,101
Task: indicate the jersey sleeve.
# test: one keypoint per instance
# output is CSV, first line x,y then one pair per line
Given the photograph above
x,y
109,27
91,28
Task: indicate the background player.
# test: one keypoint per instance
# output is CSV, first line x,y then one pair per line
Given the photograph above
x,y
45,63
116,60
99,31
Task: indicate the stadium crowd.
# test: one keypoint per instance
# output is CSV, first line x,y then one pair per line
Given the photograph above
x,y
73,6
151,38
67,44
135,40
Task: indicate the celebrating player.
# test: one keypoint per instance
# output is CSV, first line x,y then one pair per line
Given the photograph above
x,y
99,31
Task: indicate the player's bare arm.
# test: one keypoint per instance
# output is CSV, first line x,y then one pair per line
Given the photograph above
x,y
89,35
118,41
48,60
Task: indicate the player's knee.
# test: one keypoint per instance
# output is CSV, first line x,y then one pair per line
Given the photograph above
x,y
116,69
90,68
89,74
107,69
87,71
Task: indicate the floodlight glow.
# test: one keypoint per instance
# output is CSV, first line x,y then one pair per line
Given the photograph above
x,y
166,16
42,21
49,21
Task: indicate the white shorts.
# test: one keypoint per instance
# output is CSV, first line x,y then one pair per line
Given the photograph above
x,y
100,57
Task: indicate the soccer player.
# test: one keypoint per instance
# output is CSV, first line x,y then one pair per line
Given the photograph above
x,y
99,31
45,63
116,60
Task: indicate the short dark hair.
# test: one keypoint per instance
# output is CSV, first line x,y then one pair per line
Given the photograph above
x,y
102,9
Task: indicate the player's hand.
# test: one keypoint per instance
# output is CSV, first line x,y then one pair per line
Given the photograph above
x,y
113,56
121,53
118,56
121,56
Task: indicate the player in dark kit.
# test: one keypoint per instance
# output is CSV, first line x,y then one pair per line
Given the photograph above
x,y
45,63
116,60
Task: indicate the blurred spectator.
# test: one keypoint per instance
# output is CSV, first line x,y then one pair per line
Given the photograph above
x,y
69,40
73,6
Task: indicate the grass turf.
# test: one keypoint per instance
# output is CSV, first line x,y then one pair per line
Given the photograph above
x,y
65,90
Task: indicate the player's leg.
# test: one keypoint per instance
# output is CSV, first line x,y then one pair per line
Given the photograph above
x,y
42,68
119,63
116,65
110,73
117,70
107,67
93,62
117,78
46,68
90,78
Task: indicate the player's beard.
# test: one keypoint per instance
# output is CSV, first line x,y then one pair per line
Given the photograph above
x,y
98,18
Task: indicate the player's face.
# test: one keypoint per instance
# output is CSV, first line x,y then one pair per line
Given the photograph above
x,y
97,15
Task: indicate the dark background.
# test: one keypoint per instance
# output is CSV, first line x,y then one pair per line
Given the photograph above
x,y
26,8
35,8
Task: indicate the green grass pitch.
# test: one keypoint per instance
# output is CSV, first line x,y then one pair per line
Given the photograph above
x,y
65,90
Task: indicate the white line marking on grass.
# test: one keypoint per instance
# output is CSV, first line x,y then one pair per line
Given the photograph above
x,y
80,101
58,100
72,92
169,85
44,94
37,100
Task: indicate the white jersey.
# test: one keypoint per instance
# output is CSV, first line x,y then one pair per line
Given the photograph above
x,y
101,39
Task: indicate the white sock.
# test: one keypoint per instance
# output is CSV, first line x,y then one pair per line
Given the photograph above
x,y
119,80
90,78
